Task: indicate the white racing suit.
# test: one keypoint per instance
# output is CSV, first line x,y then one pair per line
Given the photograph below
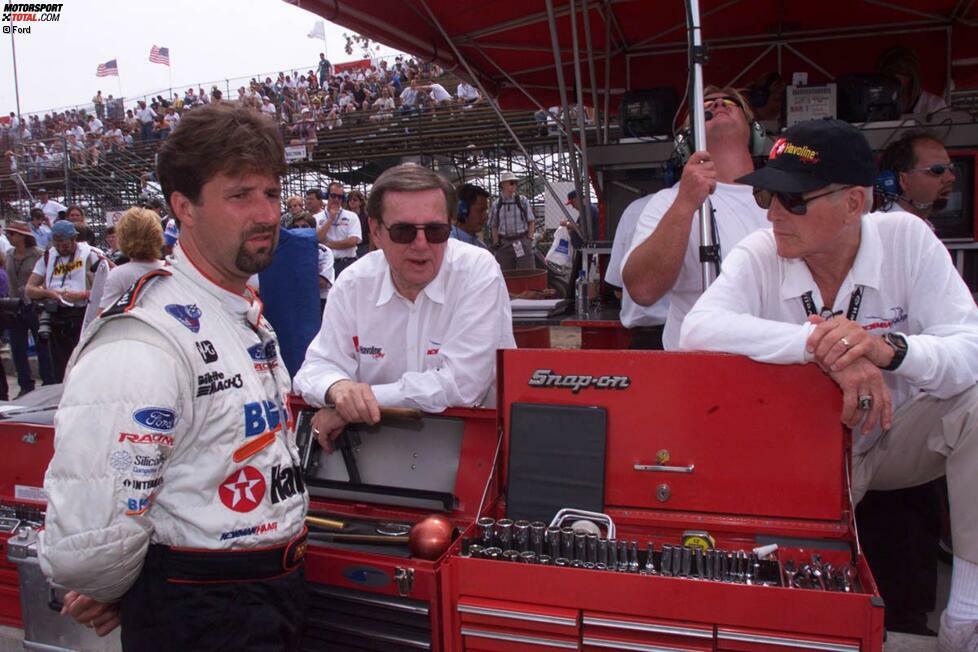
x,y
172,430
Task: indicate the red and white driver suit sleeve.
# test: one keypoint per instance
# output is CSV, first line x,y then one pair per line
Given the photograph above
x,y
124,408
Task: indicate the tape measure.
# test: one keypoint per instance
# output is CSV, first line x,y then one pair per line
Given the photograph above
x,y
698,539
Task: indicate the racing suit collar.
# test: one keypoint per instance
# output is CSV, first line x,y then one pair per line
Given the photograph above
x,y
248,306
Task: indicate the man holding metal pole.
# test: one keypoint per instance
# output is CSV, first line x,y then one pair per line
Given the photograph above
x,y
664,255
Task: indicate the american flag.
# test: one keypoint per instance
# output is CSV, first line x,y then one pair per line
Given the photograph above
x,y
107,69
160,55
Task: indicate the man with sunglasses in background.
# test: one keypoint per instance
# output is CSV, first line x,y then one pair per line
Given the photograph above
x,y
663,258
916,175
875,301
415,324
340,228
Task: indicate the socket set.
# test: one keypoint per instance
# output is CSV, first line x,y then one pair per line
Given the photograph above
x,y
537,543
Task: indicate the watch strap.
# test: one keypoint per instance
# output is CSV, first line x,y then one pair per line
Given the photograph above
x,y
899,345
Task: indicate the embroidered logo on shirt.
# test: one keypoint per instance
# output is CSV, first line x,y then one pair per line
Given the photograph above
x,y
243,490
899,315
264,356
189,316
375,352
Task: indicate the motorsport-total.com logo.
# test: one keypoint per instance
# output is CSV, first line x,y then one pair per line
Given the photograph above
x,y
28,13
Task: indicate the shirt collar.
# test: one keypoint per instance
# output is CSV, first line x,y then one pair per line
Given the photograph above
x,y
248,308
435,290
866,268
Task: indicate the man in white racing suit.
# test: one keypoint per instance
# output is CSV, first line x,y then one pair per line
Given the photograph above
x,y
176,503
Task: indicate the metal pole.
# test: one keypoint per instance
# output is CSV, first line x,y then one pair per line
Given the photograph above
x,y
585,10
607,69
493,105
696,110
562,89
13,50
584,187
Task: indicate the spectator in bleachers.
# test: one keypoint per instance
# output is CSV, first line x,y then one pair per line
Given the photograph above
x,y
340,231
99,105
140,240
467,94
325,69
146,117
171,118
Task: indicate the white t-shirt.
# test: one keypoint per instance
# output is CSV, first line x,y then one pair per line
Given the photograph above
x,y
632,315
122,277
146,115
51,209
347,224
171,120
909,286
466,91
436,352
737,215
439,94
95,126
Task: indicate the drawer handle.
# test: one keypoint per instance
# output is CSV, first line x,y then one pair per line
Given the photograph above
x,y
673,630
786,642
517,615
659,468
516,638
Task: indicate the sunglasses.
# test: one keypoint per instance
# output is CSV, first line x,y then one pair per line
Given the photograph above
x,y
333,195
404,233
726,100
937,169
794,203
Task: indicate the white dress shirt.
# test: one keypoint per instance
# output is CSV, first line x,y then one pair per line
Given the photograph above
x,y
436,352
632,315
909,286
737,215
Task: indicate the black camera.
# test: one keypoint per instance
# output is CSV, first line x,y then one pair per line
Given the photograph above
x,y
49,307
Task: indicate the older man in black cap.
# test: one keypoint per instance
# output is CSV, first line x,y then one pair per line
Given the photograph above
x,y
874,301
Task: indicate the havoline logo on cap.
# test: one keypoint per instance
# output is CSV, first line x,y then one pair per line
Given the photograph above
x,y
804,153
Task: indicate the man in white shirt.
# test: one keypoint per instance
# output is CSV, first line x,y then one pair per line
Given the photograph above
x,y
917,175
415,324
664,257
95,125
898,330
146,117
50,207
340,229
645,323
467,94
315,203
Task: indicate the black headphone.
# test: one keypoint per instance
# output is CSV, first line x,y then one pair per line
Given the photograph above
x,y
463,211
757,142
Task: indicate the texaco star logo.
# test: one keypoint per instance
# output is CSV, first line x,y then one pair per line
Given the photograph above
x,y
243,490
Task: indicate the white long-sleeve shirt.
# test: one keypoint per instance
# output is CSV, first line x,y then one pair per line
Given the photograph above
x,y
737,214
436,352
909,286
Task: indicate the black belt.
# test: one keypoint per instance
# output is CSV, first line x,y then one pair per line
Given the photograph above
x,y
199,565
512,237
647,329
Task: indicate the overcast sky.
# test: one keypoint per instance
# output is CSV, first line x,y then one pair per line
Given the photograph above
x,y
209,41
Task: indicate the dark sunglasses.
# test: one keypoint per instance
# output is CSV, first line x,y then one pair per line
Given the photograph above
x,y
794,203
726,100
404,233
333,195
937,169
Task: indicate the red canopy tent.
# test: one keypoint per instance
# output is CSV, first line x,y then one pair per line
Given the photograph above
x,y
508,42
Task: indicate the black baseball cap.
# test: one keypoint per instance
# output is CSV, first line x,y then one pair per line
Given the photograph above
x,y
813,154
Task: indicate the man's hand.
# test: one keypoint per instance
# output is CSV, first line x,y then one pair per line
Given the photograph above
x,y
863,378
699,180
327,425
838,342
355,402
103,617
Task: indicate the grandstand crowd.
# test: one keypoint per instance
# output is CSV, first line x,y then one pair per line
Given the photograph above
x,y
320,99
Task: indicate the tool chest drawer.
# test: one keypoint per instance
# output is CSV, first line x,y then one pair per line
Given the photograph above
x,y
498,625
604,631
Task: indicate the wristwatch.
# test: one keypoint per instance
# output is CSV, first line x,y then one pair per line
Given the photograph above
x,y
899,345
